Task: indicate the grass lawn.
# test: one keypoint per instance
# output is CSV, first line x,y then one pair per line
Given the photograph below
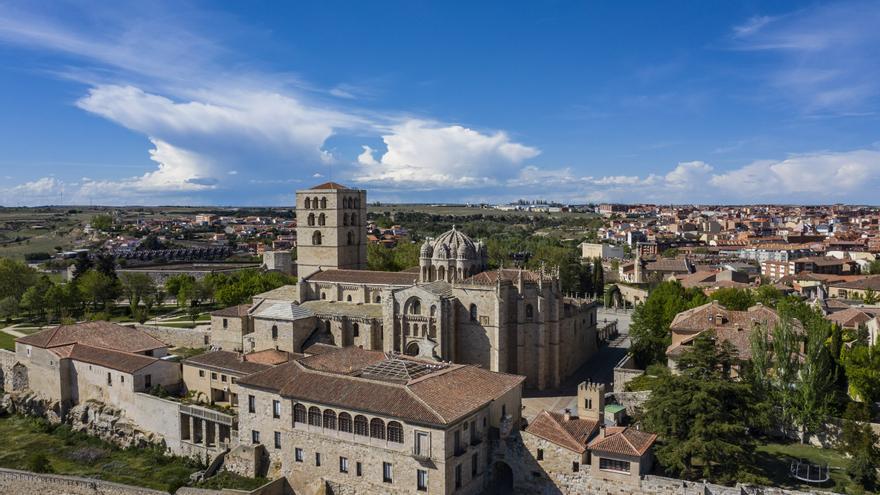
x,y
188,352
77,454
7,341
773,461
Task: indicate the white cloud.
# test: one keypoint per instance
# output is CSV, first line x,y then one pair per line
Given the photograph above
x,y
429,154
821,59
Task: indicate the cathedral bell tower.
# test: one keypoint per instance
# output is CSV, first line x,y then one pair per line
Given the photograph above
x,y
330,229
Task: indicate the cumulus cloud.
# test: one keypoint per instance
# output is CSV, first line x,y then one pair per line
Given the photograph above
x,y
428,154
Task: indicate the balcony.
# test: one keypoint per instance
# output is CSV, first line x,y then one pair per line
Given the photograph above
x,y
476,441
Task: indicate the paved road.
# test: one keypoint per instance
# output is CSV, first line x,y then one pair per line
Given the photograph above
x,y
598,369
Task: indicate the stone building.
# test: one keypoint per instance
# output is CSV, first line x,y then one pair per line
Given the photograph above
x,y
449,308
100,361
369,422
331,228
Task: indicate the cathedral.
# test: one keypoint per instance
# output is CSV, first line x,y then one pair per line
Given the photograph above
x,y
450,308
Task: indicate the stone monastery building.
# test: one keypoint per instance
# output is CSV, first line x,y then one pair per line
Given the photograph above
x,y
449,308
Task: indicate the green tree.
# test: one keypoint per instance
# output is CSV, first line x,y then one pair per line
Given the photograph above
x,y
862,364
767,295
702,415
135,287
98,288
106,264
598,281
859,442
34,302
8,308
649,330
733,298
55,302
870,297
15,278
102,222
82,264
874,267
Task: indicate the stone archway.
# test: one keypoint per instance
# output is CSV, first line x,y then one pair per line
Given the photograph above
x,y
412,349
19,377
502,479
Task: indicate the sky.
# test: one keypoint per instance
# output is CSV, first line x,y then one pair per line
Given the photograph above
x,y
243,103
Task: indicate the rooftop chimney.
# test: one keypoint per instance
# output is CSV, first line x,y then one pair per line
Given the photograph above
x,y
567,414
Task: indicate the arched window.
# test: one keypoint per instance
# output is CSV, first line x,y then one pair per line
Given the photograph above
x,y
433,309
347,202
322,219
299,413
308,203
377,429
356,330
395,432
378,299
530,312
275,331
360,425
348,298
311,219
316,238
415,307
329,419
345,422
314,416
473,312
345,219
323,203
357,203
350,238
354,219
441,273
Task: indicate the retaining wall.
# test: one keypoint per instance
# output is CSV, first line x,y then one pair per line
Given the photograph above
x,y
14,482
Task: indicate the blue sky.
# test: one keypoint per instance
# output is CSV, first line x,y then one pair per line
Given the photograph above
x,y
242,103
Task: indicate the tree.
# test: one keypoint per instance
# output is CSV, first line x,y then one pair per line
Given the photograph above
x,y
182,287
870,297
102,222
34,303
598,281
55,302
98,288
135,286
862,365
15,278
649,330
874,267
106,264
767,295
8,308
702,415
81,265
815,379
859,442
733,298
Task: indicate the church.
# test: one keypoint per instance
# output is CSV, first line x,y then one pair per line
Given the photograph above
x,y
450,308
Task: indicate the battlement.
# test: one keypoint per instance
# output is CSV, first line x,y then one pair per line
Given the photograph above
x,y
591,387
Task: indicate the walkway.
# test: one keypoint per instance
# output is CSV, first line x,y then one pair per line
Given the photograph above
x,y
598,369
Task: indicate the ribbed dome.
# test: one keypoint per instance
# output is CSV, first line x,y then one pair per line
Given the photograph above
x,y
427,250
457,242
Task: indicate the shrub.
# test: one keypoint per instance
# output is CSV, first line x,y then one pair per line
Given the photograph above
x,y
38,463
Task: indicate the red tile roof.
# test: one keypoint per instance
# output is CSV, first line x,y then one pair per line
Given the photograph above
x,y
366,277
440,397
238,311
572,434
101,334
623,441
126,362
330,185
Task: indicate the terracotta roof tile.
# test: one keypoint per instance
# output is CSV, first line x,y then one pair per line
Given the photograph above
x,y
101,334
510,274
330,185
572,434
238,311
126,362
227,361
624,441
369,277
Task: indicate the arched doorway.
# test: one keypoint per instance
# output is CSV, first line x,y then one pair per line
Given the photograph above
x,y
502,479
